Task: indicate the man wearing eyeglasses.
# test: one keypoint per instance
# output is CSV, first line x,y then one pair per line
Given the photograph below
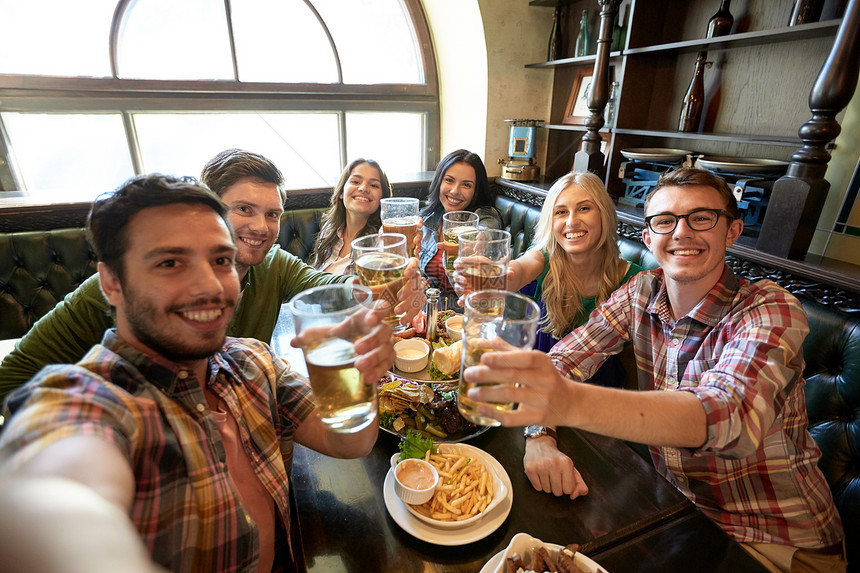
x,y
721,402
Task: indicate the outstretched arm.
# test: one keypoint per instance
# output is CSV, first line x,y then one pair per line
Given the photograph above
x,y
675,419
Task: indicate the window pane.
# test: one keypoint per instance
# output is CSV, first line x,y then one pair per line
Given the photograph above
x,y
393,139
70,152
56,37
270,33
374,39
169,40
303,146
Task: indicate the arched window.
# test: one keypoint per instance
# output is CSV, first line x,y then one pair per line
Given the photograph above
x,y
92,93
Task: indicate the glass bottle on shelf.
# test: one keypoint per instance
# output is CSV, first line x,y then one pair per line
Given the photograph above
x,y
555,37
805,11
612,104
691,109
720,23
582,38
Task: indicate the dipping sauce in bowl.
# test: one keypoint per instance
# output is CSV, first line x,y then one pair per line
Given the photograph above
x,y
416,476
411,355
415,481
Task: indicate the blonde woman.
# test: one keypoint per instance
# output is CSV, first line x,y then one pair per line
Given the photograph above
x,y
573,266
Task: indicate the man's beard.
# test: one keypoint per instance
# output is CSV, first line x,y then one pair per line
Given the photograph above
x,y
140,313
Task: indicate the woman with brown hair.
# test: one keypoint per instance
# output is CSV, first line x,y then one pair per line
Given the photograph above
x,y
354,212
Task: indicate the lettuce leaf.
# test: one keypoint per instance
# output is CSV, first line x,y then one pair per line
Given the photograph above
x,y
414,446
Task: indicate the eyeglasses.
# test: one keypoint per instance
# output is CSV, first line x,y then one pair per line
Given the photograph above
x,y
698,220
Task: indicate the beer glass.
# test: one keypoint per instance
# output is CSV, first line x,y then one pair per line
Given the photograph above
x,y
380,262
494,320
345,403
484,257
454,223
400,215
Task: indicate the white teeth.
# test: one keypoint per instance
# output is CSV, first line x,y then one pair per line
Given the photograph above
x,y
688,252
252,242
574,235
202,315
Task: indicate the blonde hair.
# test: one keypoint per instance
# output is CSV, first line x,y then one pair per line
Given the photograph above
x,y
562,288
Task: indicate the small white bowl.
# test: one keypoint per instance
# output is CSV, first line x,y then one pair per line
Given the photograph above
x,y
413,495
454,327
411,355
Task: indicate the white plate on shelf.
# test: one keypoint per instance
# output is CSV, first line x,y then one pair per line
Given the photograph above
x,y
451,537
742,164
523,543
655,154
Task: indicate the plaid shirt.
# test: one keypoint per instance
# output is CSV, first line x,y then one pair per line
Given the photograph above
x,y
185,506
740,352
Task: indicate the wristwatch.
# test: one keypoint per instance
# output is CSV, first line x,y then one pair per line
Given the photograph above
x,y
538,431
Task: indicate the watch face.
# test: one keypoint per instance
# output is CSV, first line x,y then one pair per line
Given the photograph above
x,y
534,431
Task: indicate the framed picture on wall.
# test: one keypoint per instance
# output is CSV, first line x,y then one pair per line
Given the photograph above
x,y
577,103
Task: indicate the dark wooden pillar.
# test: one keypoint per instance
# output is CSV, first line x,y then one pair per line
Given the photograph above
x,y
590,158
798,198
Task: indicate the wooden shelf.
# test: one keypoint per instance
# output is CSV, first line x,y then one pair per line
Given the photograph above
x,y
727,137
565,127
757,38
551,3
745,39
580,61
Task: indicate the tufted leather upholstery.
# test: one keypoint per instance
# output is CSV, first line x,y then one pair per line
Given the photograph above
x,y
832,353
37,269
299,228
521,220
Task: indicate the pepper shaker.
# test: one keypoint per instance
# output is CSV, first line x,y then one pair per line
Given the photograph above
x,y
431,310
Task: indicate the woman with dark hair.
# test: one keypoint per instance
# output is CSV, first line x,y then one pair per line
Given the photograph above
x,y
459,184
354,212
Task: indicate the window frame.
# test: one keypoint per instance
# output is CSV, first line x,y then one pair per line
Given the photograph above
x,y
58,94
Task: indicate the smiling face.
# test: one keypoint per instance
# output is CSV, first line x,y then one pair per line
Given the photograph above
x,y
255,214
691,258
576,223
363,190
458,187
180,286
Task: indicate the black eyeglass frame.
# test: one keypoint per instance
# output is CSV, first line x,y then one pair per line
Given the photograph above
x,y
718,212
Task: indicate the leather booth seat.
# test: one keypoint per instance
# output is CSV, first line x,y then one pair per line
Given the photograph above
x,y
37,269
832,353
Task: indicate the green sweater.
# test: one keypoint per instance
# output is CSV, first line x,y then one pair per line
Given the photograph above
x,y
80,320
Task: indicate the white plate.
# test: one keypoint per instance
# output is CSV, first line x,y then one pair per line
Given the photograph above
x,y
742,165
426,532
500,486
522,543
654,154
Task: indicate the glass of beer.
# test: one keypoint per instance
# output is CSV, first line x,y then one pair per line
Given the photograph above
x,y
494,320
454,223
345,403
380,262
400,215
484,257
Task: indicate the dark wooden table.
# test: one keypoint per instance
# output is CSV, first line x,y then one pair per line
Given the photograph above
x,y
631,520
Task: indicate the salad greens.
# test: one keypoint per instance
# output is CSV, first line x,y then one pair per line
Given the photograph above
x,y
413,445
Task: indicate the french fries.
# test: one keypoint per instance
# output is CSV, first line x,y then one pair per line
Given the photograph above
x,y
466,487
